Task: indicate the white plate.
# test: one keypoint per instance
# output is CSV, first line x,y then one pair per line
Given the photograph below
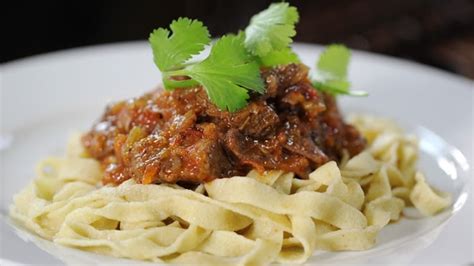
x,y
47,97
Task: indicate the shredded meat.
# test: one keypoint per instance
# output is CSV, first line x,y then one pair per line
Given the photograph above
x,y
180,136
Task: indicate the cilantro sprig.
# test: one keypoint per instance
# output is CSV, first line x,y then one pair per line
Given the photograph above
x,y
226,74
332,69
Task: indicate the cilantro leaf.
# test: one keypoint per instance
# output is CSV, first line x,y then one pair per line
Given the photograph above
x,y
271,29
333,62
279,57
189,38
332,67
227,73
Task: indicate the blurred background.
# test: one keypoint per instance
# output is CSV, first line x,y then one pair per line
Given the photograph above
x,y
434,32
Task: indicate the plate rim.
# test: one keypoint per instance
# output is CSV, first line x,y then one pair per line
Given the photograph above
x,y
128,45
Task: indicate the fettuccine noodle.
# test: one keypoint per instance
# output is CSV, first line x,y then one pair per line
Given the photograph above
x,y
249,220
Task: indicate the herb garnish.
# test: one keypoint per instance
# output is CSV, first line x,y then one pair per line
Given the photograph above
x,y
232,68
271,29
332,69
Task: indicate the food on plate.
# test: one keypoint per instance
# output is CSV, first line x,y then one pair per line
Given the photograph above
x,y
181,136
241,158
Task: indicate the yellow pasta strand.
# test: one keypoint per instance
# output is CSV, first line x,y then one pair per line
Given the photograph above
x,y
426,199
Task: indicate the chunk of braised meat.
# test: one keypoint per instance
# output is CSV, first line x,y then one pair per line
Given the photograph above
x,y
257,120
266,154
282,77
298,139
193,154
180,136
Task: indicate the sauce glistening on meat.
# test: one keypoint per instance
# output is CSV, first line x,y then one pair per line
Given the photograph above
x,y
180,136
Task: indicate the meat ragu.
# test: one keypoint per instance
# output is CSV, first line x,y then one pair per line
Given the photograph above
x,y
180,136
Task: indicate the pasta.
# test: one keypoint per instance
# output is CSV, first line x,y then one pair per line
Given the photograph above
x,y
248,220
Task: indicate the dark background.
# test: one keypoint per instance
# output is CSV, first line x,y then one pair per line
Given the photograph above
x,y
435,32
